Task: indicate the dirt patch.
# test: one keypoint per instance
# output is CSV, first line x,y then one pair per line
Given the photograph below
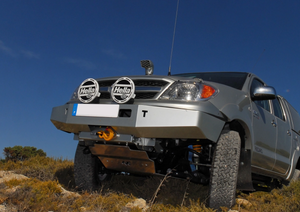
x,y
173,191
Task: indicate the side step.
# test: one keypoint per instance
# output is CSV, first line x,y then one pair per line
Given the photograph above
x,y
122,158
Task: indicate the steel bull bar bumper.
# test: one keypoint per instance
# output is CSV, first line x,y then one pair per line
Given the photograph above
x,y
128,121
136,120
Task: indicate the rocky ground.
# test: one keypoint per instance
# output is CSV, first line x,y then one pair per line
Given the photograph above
x,y
172,192
133,193
10,175
6,176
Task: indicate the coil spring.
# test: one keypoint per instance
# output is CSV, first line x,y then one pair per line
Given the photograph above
x,y
197,148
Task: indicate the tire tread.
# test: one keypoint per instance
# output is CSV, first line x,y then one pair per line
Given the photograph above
x,y
224,171
85,173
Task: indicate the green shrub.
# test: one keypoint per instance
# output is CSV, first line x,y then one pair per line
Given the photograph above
x,y
22,153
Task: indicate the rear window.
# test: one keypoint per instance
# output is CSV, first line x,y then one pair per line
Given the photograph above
x,y
232,79
295,118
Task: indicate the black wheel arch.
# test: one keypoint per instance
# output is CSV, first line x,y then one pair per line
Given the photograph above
x,y
298,164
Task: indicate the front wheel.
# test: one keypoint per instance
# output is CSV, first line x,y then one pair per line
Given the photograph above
x,y
224,170
89,172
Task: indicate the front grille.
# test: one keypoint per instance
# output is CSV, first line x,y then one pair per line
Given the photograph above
x,y
149,95
145,89
151,83
105,95
107,83
143,95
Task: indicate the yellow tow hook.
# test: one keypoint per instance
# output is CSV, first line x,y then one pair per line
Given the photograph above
x,y
106,134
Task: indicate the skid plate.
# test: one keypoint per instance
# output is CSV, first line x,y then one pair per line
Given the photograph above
x,y
122,158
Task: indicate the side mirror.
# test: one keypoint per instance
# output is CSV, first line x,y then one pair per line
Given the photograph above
x,y
264,93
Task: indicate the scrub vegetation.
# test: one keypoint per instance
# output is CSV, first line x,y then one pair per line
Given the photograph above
x,y
50,187
22,153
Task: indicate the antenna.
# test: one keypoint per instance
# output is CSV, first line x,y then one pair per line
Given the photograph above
x,y
258,59
169,73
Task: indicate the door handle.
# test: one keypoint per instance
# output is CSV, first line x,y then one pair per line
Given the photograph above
x,y
273,123
289,133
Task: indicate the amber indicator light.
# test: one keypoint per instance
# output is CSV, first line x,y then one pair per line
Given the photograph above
x,y
207,91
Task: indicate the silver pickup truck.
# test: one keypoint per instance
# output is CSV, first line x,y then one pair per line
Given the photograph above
x,y
226,129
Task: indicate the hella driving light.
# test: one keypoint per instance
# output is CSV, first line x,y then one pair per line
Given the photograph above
x,y
188,91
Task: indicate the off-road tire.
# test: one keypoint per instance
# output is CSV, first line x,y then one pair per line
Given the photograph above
x,y
224,170
86,169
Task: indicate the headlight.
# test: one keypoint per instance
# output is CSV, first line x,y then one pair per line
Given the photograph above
x,y
188,91
74,96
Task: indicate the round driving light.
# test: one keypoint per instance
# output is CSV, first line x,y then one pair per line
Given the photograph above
x,y
88,90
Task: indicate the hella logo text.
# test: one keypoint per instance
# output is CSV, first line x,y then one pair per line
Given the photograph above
x,y
121,90
86,90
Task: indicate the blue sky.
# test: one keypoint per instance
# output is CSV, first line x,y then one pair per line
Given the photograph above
x,y
47,48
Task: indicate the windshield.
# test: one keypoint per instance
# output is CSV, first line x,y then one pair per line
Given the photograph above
x,y
232,79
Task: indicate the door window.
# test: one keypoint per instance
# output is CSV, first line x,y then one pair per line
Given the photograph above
x,y
278,112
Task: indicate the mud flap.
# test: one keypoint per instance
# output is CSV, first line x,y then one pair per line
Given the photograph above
x,y
244,181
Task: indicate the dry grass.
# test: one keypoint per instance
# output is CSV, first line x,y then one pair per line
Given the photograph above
x,y
36,195
42,192
285,199
44,168
172,191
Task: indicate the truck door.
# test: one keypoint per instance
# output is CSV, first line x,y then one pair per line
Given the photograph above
x,y
264,129
284,137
